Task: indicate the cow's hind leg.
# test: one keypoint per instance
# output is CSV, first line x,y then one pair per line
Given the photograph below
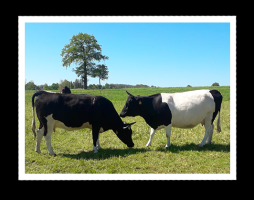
x,y
168,134
38,139
209,139
48,142
39,136
208,126
152,132
48,133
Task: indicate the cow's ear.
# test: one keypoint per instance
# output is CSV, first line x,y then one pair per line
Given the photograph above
x,y
129,94
127,125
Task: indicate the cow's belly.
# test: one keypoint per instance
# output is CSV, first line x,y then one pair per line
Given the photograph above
x,y
184,125
186,119
59,124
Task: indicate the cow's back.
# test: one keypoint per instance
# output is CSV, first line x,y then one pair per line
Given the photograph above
x,y
72,109
189,108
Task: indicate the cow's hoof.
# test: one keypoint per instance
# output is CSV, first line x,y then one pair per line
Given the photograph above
x,y
200,145
148,144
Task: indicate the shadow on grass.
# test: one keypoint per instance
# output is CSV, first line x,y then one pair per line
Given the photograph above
x,y
194,147
108,153
105,153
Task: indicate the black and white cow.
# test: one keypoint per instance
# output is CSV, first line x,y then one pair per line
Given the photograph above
x,y
182,110
77,111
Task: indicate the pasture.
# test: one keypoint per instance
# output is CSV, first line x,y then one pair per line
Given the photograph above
x,y
75,155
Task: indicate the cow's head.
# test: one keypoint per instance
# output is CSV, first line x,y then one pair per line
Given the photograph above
x,y
131,106
65,90
124,134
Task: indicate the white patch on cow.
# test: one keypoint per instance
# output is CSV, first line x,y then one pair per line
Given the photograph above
x,y
59,124
189,108
49,91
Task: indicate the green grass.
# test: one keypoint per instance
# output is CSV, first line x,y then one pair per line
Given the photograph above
x,y
75,155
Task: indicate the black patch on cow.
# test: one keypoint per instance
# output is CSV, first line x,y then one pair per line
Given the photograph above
x,y
217,97
154,111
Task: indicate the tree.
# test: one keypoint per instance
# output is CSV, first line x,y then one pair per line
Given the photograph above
x,y
54,86
82,50
64,83
215,84
30,86
45,86
101,71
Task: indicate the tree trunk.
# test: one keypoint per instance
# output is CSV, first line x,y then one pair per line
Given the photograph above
x,y
85,80
85,76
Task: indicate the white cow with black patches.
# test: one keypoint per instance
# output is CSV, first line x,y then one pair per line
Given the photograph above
x,y
181,110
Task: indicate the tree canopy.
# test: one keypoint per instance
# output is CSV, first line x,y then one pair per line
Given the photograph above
x,y
101,72
215,84
82,50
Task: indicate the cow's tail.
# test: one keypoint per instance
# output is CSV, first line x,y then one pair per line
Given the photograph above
x,y
33,122
218,123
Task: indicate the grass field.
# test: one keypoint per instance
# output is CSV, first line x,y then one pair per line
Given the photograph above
x,y
75,155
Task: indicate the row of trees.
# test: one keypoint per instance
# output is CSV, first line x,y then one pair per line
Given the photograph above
x,y
78,83
116,86
214,84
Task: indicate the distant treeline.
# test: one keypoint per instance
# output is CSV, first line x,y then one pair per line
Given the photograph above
x,y
78,83
117,86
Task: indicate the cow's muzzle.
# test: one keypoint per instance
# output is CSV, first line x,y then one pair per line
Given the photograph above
x,y
130,145
122,114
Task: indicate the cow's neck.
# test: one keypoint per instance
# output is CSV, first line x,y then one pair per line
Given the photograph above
x,y
147,111
116,122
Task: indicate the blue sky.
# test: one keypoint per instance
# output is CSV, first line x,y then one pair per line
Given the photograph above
x,y
159,54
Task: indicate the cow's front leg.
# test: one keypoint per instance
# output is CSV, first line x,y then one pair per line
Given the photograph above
x,y
168,134
152,132
95,132
98,146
